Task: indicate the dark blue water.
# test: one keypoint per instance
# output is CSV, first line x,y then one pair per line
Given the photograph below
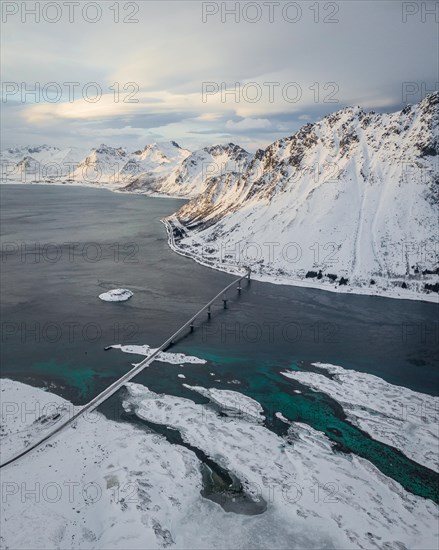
x,y
61,247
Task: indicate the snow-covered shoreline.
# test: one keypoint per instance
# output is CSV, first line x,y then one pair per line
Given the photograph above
x,y
305,283
114,485
394,293
163,357
397,416
106,187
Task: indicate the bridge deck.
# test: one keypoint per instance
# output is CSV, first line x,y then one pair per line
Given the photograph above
x,y
110,390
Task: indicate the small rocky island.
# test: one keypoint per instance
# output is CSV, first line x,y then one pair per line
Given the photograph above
x,y
116,295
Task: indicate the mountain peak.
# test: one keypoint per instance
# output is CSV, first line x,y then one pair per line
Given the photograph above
x,y
341,180
430,104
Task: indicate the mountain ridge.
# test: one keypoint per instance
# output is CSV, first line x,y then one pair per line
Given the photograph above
x,y
347,203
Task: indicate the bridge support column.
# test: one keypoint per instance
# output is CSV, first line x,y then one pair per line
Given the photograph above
x,y
192,327
209,313
225,300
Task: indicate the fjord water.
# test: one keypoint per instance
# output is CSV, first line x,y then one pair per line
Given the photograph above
x,y
63,246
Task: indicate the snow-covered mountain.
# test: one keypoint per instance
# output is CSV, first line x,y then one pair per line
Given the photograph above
x,y
350,201
101,166
347,203
39,152
188,173
39,163
150,167
191,176
163,168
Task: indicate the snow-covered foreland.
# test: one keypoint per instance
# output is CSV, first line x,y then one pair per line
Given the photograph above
x,y
116,295
163,356
232,401
108,484
347,204
395,415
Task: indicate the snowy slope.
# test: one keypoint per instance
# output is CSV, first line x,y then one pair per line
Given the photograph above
x,y
353,196
149,167
42,153
191,177
101,165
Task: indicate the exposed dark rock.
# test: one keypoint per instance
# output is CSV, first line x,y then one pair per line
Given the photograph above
x,y
433,288
431,271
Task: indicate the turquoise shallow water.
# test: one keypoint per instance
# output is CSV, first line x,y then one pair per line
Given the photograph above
x,y
276,394
55,329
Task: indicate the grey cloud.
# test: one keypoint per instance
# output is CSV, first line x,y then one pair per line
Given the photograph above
x,y
369,53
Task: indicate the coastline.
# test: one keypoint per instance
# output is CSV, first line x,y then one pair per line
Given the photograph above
x,y
107,483
287,281
106,187
234,270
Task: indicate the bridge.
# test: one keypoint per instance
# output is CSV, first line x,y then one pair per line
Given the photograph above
x,y
110,390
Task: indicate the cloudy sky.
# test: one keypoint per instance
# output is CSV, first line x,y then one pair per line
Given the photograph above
x,y
137,72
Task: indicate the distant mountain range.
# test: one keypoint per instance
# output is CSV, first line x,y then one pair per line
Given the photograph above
x,y
163,168
349,203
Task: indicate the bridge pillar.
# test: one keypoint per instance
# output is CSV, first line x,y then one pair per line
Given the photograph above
x,y
209,313
225,300
192,327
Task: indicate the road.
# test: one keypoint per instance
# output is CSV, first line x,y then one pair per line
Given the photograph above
x,y
110,390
